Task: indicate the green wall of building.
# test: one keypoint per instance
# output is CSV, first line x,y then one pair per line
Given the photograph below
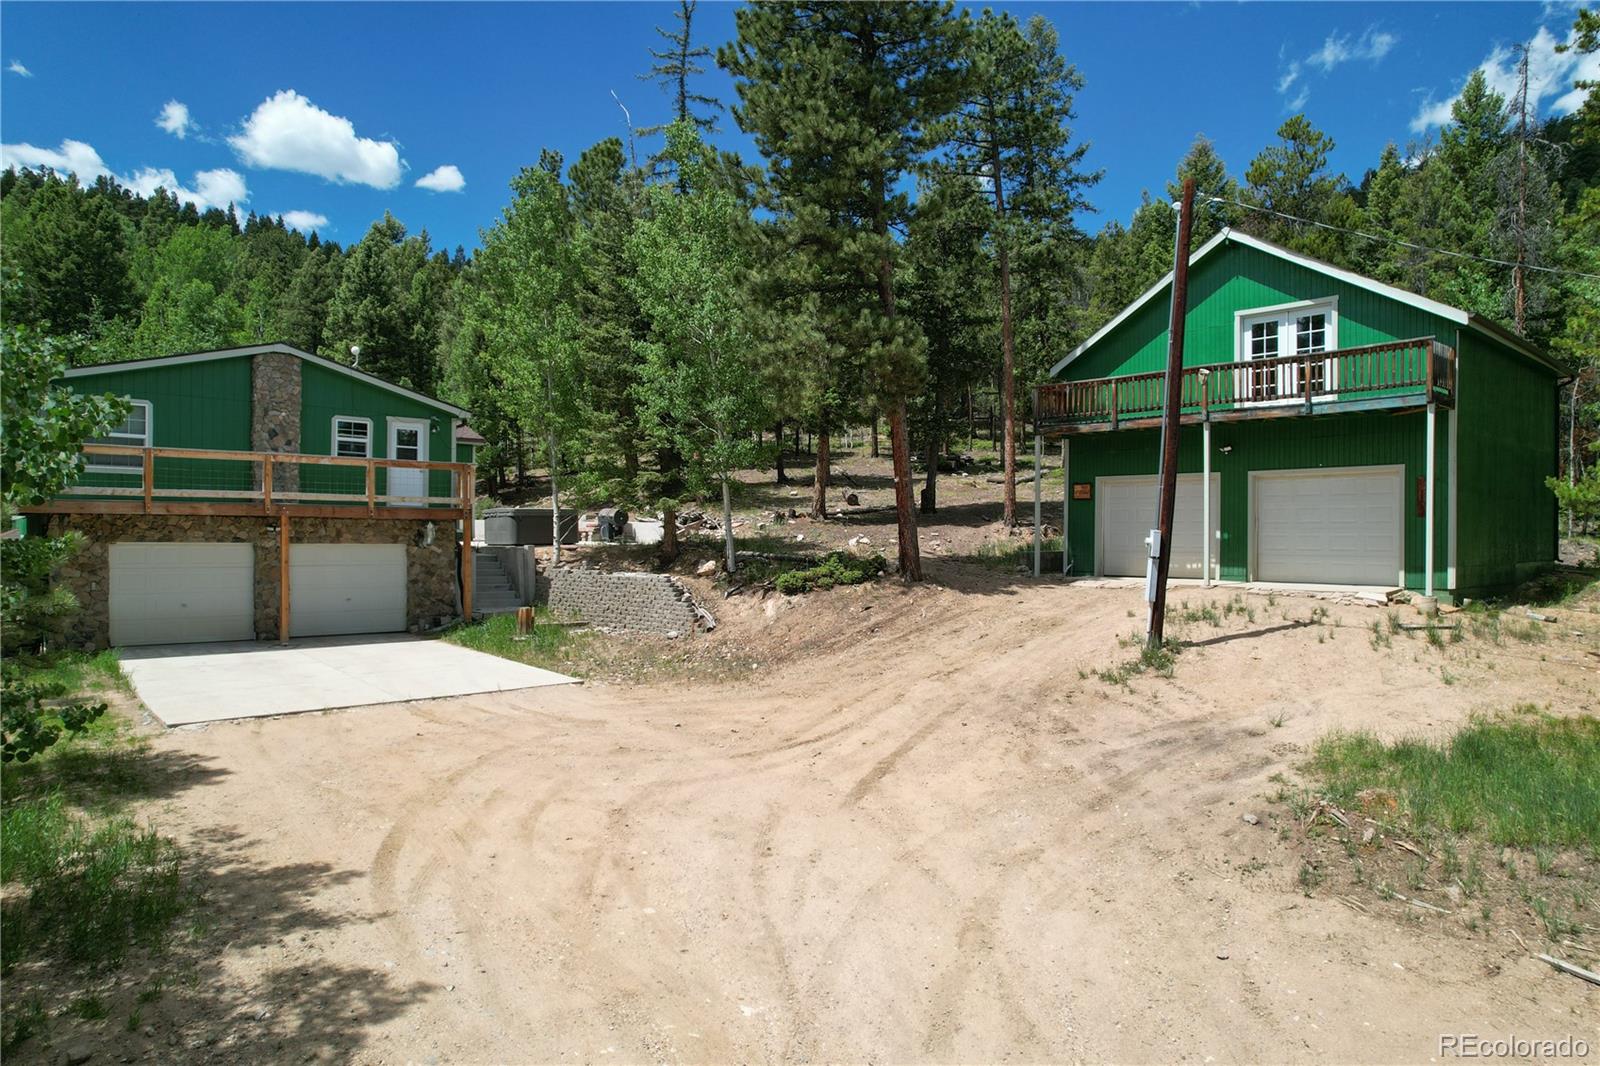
x,y
325,394
1234,278
1320,443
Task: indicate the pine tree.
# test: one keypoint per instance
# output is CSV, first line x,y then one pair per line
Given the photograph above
x,y
837,97
1013,132
674,66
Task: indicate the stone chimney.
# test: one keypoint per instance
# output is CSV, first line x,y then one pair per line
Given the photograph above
x,y
275,413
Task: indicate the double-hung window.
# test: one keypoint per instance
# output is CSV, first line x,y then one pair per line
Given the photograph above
x,y
352,437
132,432
1271,334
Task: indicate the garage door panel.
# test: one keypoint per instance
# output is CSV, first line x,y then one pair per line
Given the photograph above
x,y
1125,511
1339,527
166,593
347,588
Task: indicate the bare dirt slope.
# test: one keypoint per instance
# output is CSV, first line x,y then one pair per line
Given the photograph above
x,y
930,839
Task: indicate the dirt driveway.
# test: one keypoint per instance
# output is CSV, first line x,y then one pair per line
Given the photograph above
x,y
936,840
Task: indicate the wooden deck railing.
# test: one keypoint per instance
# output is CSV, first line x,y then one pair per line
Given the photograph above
x,y
1421,369
120,478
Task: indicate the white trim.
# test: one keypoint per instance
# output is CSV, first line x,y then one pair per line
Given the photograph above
x,y
407,475
1450,500
1285,315
91,467
266,349
1256,476
334,434
1445,311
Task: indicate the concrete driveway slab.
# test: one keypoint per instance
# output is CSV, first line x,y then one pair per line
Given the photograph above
x,y
184,684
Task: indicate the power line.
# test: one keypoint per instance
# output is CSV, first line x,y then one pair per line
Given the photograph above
x,y
1403,243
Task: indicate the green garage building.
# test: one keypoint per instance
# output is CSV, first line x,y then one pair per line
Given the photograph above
x,y
1354,433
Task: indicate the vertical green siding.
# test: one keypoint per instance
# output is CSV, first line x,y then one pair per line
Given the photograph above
x,y
1274,444
1506,447
192,405
1235,278
325,393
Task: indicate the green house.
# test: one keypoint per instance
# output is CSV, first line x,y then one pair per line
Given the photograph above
x,y
1334,430
264,492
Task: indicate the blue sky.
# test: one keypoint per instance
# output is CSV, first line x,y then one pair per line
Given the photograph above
x,y
330,113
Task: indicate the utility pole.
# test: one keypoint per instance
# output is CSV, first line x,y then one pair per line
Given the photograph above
x,y
1519,297
1161,536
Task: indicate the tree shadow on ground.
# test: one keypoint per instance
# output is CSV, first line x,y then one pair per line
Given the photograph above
x,y
240,976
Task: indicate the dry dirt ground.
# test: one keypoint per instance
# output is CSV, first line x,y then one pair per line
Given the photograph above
x,y
922,834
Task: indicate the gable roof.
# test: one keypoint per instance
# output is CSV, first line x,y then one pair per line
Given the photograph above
x,y
265,349
1469,319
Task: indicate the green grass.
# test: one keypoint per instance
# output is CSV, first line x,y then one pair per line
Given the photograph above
x,y
80,672
1524,778
94,888
549,645
1011,554
1160,661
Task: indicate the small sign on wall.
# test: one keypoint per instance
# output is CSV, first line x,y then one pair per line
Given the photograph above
x,y
1082,490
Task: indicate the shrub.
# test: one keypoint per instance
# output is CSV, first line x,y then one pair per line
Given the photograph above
x,y
836,568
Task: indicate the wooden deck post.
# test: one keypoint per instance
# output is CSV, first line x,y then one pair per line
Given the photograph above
x,y
372,487
149,478
283,577
1066,503
266,483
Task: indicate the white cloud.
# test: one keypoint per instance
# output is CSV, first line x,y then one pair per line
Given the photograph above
x,y
16,67
1550,74
289,132
72,157
304,220
174,118
1337,49
212,188
443,179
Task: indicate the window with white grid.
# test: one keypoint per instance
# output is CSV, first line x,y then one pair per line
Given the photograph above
x,y
352,437
133,432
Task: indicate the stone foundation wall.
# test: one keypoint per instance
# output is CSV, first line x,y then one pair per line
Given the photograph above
x,y
432,595
654,603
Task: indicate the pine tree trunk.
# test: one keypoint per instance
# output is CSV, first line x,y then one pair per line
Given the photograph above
x,y
930,488
875,434
667,553
910,556
777,436
1008,375
819,486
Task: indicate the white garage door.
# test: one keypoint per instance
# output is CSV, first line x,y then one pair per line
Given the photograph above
x,y
346,588
182,593
1126,509
1338,528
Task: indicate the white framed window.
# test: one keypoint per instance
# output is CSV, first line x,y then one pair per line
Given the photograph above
x,y
134,431
1296,329
352,437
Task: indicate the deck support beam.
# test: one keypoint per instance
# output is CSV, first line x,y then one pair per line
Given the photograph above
x,y
1427,503
1038,500
1066,503
283,577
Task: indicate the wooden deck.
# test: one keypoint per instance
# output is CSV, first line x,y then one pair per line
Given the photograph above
x,y
1410,373
278,485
